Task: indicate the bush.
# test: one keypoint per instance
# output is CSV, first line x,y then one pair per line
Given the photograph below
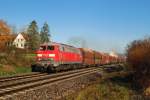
x,y
7,70
138,57
17,57
106,90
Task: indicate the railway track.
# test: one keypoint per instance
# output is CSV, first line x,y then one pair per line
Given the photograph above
x,y
9,87
17,76
34,78
28,75
13,78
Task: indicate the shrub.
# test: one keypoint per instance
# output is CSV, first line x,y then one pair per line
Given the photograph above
x,y
17,57
106,90
138,57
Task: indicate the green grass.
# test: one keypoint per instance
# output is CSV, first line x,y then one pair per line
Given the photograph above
x,y
107,90
23,69
8,64
30,55
17,70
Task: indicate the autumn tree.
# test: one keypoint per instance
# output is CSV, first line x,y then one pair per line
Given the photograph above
x,y
45,35
138,57
4,28
5,36
33,36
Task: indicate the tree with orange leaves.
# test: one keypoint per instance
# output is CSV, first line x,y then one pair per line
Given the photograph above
x,y
4,28
138,57
4,34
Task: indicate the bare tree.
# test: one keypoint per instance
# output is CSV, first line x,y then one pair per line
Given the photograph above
x,y
78,42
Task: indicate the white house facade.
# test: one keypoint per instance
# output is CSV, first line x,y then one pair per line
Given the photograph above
x,y
20,41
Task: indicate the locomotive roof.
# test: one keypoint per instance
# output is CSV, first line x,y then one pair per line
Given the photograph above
x,y
54,43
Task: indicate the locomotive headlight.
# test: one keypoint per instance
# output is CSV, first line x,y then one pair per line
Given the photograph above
x,y
39,55
51,55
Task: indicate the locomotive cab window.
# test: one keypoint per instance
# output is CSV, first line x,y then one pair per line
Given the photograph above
x,y
50,47
42,48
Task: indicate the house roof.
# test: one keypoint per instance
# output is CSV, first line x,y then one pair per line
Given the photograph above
x,y
11,37
26,37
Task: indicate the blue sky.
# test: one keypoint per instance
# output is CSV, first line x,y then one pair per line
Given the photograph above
x,y
105,24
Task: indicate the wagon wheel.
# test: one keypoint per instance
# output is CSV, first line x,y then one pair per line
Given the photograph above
x,y
42,69
33,68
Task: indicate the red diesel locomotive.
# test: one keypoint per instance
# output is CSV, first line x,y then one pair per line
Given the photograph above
x,y
52,57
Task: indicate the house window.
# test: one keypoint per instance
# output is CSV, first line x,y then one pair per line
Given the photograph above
x,y
21,45
18,40
17,45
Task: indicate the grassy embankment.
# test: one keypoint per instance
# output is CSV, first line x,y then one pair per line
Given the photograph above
x,y
12,70
21,64
113,89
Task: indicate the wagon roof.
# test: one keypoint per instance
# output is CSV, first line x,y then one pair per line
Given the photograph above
x,y
87,49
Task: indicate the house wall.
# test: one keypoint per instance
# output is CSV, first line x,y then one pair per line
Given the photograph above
x,y
19,41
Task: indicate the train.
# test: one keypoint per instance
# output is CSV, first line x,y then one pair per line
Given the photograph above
x,y
55,57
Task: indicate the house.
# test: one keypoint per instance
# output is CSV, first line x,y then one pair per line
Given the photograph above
x,y
20,41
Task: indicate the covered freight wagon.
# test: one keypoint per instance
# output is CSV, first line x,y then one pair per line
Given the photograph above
x,y
87,56
97,58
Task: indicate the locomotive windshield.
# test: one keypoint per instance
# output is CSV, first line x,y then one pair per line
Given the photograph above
x,y
50,47
42,48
